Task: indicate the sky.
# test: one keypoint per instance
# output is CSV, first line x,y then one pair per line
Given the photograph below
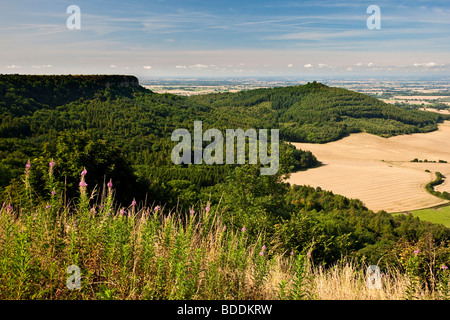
x,y
226,38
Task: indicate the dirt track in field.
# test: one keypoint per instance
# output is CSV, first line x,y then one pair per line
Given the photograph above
x,y
379,171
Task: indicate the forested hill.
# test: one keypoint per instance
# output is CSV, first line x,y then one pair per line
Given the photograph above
x,y
120,131
113,127
23,94
316,113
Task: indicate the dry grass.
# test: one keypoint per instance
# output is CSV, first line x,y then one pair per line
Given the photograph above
x,y
143,255
131,253
347,282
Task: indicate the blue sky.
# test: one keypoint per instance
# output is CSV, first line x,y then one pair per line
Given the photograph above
x,y
190,38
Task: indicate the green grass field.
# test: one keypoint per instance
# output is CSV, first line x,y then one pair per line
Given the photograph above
x,y
435,215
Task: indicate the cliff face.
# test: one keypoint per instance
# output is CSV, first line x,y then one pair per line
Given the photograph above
x,y
111,80
104,80
44,91
121,81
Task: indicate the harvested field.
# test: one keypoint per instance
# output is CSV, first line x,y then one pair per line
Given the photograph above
x,y
446,111
379,171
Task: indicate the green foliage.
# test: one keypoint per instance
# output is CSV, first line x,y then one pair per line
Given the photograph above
x,y
144,253
426,265
316,113
302,280
254,201
25,94
439,180
126,254
336,226
73,152
122,133
80,122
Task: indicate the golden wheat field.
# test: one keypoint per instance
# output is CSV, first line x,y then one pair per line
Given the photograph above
x,y
379,171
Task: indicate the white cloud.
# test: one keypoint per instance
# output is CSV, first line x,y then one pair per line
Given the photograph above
x,y
308,65
359,64
323,65
147,67
199,66
315,36
370,64
42,66
290,65
426,65
13,66
113,66
181,67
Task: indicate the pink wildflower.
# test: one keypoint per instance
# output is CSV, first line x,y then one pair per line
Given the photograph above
x,y
83,184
